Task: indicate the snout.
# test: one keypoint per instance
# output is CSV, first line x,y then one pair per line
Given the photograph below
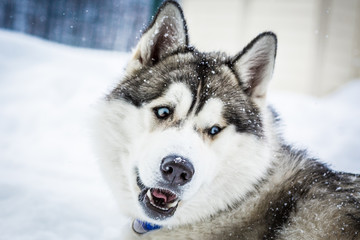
x,y
161,200
176,170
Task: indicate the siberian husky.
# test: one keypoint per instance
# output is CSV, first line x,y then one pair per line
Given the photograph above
x,y
191,150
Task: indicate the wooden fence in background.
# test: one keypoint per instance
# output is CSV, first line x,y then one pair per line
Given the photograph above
x,y
103,24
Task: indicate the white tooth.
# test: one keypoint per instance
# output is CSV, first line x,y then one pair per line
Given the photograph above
x,y
170,205
161,208
149,195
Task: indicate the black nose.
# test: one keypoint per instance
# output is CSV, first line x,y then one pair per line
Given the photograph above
x,y
176,170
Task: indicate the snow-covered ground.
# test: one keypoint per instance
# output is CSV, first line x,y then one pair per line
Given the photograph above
x,y
50,186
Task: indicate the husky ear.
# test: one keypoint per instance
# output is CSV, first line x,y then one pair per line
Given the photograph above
x,y
255,64
166,33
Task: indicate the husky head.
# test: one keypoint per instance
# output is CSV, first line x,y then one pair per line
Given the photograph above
x,y
185,134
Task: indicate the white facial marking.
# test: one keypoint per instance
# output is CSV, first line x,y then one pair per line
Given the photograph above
x,y
211,114
179,96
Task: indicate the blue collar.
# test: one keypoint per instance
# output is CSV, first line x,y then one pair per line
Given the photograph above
x,y
141,227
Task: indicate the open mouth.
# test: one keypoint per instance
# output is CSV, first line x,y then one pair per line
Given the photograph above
x,y
159,203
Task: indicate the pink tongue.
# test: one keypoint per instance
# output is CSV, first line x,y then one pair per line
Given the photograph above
x,y
159,194
166,197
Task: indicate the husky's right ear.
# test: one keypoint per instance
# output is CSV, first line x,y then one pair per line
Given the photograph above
x,y
166,33
255,65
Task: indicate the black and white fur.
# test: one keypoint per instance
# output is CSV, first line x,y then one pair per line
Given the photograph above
x,y
187,141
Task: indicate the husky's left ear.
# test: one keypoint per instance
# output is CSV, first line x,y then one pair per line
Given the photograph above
x,y
254,65
166,33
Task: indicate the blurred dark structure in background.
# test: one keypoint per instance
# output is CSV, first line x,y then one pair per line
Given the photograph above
x,y
103,24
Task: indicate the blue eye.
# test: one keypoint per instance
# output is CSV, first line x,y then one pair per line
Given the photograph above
x,y
162,112
214,130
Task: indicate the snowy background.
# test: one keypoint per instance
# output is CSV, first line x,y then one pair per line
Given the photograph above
x,y
50,186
